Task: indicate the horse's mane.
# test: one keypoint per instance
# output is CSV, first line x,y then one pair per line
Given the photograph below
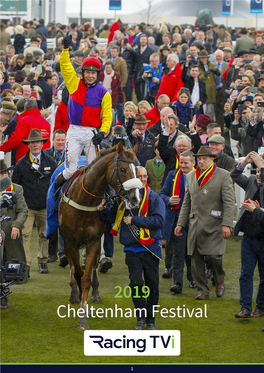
x,y
104,152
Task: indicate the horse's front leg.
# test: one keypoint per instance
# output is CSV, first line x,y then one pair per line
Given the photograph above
x,y
75,274
92,255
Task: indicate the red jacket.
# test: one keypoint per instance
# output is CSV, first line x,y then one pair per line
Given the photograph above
x,y
116,86
61,118
25,123
171,84
153,115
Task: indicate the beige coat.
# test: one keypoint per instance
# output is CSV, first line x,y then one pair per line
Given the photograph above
x,y
203,206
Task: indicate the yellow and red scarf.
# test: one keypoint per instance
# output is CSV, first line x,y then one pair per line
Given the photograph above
x,y
10,189
178,188
177,161
145,238
206,175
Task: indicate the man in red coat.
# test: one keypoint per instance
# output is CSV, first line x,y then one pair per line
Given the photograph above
x,y
29,119
111,80
154,114
171,81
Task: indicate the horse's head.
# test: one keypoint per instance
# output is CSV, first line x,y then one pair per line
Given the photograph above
x,y
124,179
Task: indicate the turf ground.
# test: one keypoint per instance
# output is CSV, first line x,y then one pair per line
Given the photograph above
x,y
33,333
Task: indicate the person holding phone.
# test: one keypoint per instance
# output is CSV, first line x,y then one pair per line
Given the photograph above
x,y
239,129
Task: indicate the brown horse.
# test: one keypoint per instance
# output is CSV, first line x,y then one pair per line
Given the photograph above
x,y
80,223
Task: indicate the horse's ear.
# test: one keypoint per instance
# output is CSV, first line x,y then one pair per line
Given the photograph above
x,y
135,149
120,147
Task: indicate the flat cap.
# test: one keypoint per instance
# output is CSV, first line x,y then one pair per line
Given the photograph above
x,y
217,139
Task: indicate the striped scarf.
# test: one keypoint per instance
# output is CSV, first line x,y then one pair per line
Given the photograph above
x,y
205,176
145,238
177,161
178,188
9,189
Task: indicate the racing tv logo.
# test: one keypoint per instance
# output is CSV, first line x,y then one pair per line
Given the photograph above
x,y
132,343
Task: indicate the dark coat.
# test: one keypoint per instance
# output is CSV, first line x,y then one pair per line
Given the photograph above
x,y
145,149
250,186
35,183
257,132
47,90
130,56
19,43
165,194
168,154
188,82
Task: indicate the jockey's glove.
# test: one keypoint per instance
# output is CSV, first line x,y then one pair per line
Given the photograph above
x,y
98,138
66,41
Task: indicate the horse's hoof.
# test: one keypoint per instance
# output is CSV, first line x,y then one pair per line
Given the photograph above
x,y
96,299
74,300
83,325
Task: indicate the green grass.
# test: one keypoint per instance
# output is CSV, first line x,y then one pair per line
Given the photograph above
x,y
36,335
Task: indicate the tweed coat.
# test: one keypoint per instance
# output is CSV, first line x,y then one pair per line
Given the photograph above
x,y
208,209
154,181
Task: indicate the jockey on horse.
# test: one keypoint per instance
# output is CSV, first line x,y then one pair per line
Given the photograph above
x,y
89,109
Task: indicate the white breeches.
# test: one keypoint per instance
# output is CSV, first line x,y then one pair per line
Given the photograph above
x,y
78,139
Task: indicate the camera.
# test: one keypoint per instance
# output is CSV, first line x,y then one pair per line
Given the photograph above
x,y
7,200
260,104
241,108
11,272
150,75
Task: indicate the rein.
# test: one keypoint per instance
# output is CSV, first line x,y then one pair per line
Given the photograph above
x,y
109,200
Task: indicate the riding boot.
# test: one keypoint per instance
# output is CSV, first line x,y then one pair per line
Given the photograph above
x,y
60,180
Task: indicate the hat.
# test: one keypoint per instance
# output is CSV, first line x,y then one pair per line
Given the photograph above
x,y
92,64
261,77
252,51
217,139
16,98
222,26
165,48
249,97
119,131
78,53
35,135
203,54
206,151
19,29
92,40
3,166
8,105
37,53
29,58
229,49
203,120
240,53
141,119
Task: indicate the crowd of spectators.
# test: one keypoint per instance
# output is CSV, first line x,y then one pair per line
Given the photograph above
x,y
192,86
